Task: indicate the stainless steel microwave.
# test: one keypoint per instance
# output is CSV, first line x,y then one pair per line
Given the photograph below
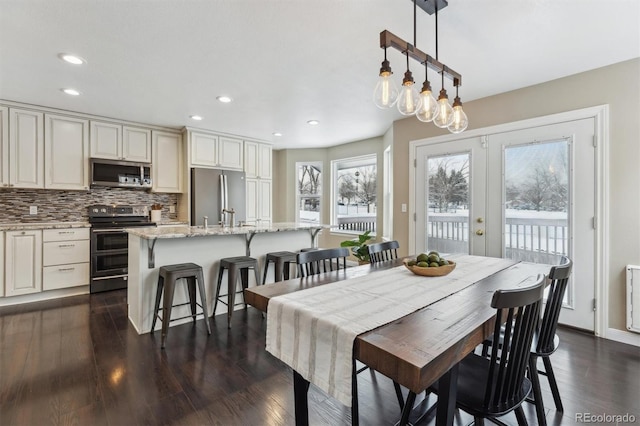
x,y
126,174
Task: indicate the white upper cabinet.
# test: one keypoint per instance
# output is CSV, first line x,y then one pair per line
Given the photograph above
x,y
4,146
231,153
257,160
66,152
204,149
106,140
136,144
167,162
211,150
26,149
117,142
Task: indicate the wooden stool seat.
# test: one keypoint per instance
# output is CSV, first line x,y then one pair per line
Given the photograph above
x,y
234,265
282,261
167,278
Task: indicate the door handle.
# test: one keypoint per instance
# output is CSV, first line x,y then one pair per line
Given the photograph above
x,y
480,232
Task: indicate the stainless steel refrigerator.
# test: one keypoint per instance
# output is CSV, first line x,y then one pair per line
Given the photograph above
x,y
213,190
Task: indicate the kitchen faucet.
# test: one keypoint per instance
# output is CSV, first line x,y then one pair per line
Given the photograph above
x,y
232,219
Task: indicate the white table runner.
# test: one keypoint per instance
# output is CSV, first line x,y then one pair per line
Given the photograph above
x,y
313,330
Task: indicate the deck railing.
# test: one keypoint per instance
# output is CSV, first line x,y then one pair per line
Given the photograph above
x,y
357,223
537,240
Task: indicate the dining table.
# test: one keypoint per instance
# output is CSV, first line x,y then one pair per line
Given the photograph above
x,y
420,346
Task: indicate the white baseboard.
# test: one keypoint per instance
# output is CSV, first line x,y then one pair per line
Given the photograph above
x,y
623,336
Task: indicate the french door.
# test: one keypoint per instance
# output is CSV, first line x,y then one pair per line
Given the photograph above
x,y
526,195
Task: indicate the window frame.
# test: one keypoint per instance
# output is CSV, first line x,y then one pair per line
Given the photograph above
x,y
349,162
299,195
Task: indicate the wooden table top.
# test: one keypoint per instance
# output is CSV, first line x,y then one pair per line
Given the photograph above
x,y
419,348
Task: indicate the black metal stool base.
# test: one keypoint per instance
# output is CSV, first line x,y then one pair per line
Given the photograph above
x,y
167,278
234,265
282,261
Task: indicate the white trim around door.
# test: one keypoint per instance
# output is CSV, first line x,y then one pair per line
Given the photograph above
x,y
600,114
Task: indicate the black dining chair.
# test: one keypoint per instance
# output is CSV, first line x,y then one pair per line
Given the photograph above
x,y
488,388
545,340
319,261
386,250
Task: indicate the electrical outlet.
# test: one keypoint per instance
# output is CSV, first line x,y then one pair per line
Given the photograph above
x,y
33,210
172,208
403,207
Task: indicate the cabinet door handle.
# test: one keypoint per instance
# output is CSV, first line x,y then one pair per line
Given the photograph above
x,y
66,269
66,245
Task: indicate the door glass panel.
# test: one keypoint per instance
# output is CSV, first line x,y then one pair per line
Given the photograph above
x,y
536,208
448,203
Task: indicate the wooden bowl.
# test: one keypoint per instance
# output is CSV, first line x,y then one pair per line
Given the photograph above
x,y
438,271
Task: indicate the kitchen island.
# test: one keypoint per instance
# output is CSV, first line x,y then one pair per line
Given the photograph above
x,y
151,248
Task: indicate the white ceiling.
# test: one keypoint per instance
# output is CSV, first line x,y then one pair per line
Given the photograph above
x,y
285,62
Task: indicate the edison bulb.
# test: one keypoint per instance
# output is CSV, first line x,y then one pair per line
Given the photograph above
x,y
385,94
460,120
409,100
429,109
445,112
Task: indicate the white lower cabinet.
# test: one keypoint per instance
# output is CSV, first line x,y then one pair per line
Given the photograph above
x,y
65,254
23,262
1,263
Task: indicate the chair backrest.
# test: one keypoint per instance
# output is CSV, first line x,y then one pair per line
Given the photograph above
x,y
318,261
519,311
559,279
379,252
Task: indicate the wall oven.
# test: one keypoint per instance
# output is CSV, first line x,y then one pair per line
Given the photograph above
x,y
110,243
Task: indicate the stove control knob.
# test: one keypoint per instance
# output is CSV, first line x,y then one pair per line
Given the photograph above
x,y
103,210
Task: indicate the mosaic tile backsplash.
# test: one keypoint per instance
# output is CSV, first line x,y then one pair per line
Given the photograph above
x,y
71,206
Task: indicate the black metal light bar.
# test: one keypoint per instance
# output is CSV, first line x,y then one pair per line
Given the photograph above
x,y
388,39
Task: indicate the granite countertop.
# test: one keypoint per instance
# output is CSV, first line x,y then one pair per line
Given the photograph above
x,y
198,231
42,225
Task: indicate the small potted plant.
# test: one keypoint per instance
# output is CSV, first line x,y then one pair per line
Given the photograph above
x,y
358,247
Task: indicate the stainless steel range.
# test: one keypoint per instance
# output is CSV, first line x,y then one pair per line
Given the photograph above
x,y
110,242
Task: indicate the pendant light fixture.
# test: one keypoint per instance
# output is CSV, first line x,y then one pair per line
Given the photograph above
x,y
429,108
385,94
460,121
409,101
445,112
423,105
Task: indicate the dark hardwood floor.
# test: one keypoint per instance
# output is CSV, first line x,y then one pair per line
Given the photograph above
x,y
78,361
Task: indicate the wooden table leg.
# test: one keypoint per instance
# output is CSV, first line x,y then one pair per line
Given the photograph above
x,y
300,389
447,393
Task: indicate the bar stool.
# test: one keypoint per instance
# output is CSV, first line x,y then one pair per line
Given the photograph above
x,y
233,265
282,261
167,278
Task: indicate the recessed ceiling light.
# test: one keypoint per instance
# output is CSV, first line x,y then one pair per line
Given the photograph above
x,y
72,59
72,92
195,117
224,99
313,122
278,134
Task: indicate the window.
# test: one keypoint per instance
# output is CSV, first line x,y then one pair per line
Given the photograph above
x,y
355,194
309,190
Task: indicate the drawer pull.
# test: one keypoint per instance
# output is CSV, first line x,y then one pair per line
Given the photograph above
x,y
66,269
66,232
66,245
